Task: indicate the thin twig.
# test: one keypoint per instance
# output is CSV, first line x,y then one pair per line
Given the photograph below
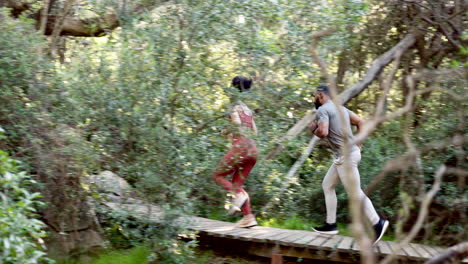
x,y
424,209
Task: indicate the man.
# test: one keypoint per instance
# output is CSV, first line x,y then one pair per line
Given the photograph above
x,y
329,125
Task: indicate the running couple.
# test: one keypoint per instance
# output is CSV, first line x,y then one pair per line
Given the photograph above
x,y
240,160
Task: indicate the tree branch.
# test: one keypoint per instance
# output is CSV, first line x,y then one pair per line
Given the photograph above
x,y
453,254
377,66
371,125
91,27
321,63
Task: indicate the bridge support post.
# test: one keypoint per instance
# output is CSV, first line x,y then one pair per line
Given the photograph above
x,y
276,259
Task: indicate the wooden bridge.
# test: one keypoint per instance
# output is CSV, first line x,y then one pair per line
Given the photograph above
x,y
275,243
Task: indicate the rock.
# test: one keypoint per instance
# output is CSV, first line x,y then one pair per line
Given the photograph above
x,y
63,245
109,182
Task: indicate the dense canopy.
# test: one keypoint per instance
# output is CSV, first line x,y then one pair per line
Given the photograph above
x,y
140,88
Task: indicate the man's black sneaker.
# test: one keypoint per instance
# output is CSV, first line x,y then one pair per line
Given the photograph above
x,y
380,229
326,228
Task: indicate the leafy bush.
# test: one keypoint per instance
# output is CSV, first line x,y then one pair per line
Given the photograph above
x,y
21,232
165,242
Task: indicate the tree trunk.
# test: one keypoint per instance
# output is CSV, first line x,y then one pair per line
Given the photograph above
x,y
72,227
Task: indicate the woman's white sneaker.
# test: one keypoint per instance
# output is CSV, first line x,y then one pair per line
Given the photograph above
x,y
247,221
238,201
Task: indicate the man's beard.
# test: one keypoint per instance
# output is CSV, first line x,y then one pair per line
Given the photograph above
x,y
317,104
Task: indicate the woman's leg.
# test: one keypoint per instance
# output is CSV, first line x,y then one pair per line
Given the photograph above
x,y
239,179
227,166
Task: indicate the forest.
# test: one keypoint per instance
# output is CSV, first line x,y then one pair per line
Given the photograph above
x,y
142,89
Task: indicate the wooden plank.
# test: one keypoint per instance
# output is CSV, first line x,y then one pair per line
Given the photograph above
x,y
345,244
266,235
385,248
291,237
285,235
218,232
316,243
401,252
302,242
430,250
355,246
278,235
376,249
333,242
238,233
423,253
297,236
438,249
411,253
255,235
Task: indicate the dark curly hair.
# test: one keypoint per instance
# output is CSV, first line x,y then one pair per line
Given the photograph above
x,y
242,83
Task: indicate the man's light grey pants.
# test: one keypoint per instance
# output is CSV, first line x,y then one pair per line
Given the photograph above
x,y
351,181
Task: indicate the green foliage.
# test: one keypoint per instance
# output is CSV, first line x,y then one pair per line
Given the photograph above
x,y
149,100
136,255
291,222
21,232
166,242
133,256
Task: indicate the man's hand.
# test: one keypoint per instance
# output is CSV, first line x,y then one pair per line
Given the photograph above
x,y
313,126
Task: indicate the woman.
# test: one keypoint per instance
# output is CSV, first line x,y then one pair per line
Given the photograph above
x,y
241,158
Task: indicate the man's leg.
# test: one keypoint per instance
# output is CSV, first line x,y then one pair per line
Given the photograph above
x,y
328,185
352,182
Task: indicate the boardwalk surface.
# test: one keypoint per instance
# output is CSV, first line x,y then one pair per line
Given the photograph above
x,y
265,241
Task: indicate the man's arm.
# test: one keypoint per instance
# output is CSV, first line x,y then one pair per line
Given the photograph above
x,y
322,130
356,121
313,126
